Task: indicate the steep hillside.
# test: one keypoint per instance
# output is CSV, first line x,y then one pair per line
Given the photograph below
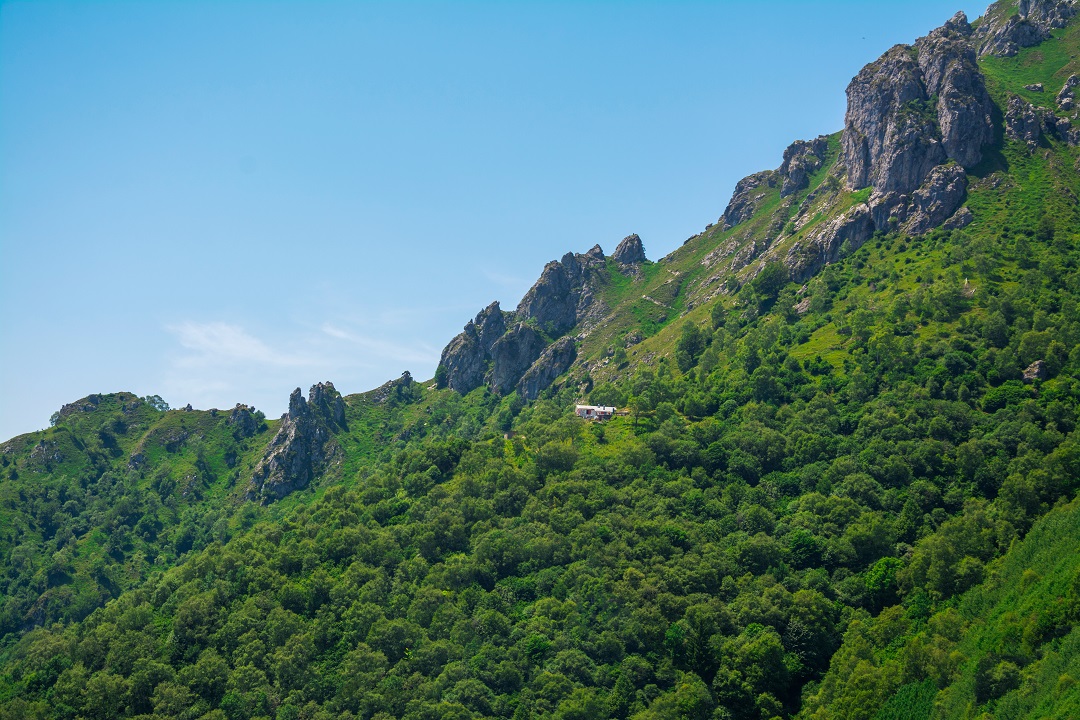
x,y
845,487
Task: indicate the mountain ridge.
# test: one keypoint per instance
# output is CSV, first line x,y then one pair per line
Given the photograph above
x,y
845,438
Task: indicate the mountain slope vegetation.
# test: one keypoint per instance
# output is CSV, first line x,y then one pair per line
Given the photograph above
x,y
844,488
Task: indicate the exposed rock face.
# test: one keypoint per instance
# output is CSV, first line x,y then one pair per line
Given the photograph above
x,y
243,422
951,73
895,133
961,219
1003,34
1029,124
563,294
936,201
890,137
303,447
553,362
1036,371
744,200
927,207
630,251
466,358
512,355
1022,122
551,300
326,402
801,159
1066,99
497,348
824,245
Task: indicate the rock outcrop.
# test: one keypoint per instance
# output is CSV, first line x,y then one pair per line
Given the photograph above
x,y
630,251
936,201
1004,33
917,117
512,355
801,159
746,198
303,447
1022,122
553,362
1066,99
951,74
243,422
498,348
1036,371
915,108
465,360
890,139
825,244
564,292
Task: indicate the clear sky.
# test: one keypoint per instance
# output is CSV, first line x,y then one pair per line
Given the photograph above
x,y
220,201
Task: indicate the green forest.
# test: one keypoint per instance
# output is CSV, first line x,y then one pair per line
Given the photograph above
x,y
842,498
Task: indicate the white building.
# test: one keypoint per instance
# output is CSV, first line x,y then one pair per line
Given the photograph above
x,y
594,412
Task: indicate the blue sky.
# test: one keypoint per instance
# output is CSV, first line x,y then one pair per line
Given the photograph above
x,y
220,201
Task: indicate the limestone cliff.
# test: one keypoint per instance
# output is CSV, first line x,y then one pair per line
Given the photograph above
x,y
917,119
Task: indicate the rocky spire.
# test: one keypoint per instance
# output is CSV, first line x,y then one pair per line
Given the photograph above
x,y
303,447
630,251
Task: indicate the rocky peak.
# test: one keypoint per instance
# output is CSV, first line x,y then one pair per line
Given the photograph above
x,y
630,251
801,159
303,447
563,294
951,74
891,140
1004,33
498,348
512,355
909,114
326,401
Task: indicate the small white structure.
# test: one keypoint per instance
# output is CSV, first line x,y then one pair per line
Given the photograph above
x,y
594,412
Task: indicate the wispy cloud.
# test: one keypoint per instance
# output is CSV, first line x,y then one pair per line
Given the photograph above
x,y
508,281
216,363
413,353
219,343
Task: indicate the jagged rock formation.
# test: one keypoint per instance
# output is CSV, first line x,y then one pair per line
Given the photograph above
x,y
1028,124
303,447
951,73
801,159
744,201
1066,99
889,139
512,355
498,349
243,421
916,119
934,202
466,358
1003,33
1022,122
562,295
553,362
824,245
630,251
894,134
